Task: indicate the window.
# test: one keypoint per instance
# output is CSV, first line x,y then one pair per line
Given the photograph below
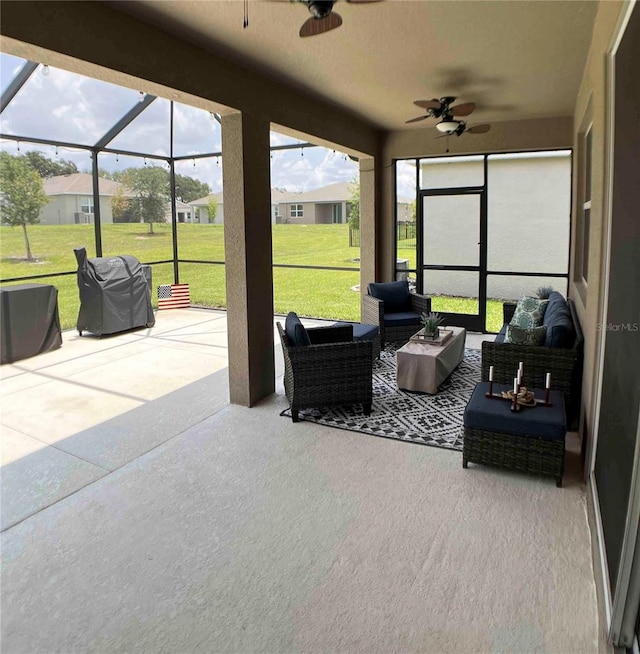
x,y
296,211
586,204
583,206
86,205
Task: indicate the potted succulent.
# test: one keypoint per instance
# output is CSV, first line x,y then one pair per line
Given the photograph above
x,y
431,324
544,292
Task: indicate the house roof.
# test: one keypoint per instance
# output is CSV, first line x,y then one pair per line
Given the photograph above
x,y
203,202
278,195
337,192
81,184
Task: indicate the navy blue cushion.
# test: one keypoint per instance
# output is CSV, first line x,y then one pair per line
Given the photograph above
x,y
401,318
395,295
361,332
557,320
501,334
295,331
495,415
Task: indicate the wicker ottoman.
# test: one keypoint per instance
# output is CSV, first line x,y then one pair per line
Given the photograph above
x,y
531,440
363,332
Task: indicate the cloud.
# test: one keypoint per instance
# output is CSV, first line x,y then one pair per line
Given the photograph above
x,y
68,107
406,179
90,107
296,170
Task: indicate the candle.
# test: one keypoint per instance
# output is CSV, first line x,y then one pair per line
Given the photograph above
x,y
515,385
548,385
490,373
520,366
519,377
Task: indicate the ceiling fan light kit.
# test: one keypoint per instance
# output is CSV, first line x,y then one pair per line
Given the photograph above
x,y
448,125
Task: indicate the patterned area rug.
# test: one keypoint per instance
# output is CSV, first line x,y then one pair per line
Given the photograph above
x,y
434,420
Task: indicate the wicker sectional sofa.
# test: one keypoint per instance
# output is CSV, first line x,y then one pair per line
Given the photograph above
x,y
563,358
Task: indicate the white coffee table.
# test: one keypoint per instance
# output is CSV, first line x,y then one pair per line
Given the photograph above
x,y
423,366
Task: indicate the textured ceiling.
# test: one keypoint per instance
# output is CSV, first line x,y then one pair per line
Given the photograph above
x,y
515,59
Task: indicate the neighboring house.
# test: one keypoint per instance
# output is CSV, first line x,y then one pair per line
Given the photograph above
x,y
325,205
183,212
71,199
404,210
200,210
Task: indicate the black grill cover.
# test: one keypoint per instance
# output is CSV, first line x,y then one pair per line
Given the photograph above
x,y
115,294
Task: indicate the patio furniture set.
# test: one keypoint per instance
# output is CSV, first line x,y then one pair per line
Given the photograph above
x,y
329,366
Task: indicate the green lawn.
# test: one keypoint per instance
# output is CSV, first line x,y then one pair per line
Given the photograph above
x,y
313,293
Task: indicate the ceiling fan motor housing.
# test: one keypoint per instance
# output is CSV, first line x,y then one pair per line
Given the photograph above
x,y
320,8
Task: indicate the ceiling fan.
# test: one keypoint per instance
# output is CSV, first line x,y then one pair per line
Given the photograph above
x,y
447,112
323,18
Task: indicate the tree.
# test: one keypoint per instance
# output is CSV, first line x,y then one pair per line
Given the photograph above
x,y
151,188
121,208
212,209
189,189
22,194
412,211
46,167
115,176
354,204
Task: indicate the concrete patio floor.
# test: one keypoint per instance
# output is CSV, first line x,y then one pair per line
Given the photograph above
x,y
141,512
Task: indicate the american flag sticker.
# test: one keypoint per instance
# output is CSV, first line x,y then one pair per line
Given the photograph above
x,y
173,296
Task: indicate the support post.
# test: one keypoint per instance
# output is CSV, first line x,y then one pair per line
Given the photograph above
x,y
368,241
248,257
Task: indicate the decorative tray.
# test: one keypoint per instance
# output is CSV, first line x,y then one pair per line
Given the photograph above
x,y
441,339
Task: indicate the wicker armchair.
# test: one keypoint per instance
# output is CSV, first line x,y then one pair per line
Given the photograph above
x,y
399,324
564,364
333,370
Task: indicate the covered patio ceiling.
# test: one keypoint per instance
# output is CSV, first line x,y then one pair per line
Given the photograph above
x,y
516,60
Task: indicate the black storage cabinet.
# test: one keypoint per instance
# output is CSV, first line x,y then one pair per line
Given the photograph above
x,y
29,322
115,294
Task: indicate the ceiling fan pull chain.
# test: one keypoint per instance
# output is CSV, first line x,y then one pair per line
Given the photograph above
x,y
245,23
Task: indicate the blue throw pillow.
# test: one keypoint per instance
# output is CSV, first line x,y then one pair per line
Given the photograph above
x,y
558,321
395,295
295,331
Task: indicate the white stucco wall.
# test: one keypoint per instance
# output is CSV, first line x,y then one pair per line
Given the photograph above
x,y
528,212
201,215
61,209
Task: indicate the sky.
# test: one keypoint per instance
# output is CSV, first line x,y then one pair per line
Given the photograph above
x,y
64,106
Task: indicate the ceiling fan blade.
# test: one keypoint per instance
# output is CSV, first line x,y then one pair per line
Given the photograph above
x,y
479,129
415,120
313,26
427,104
462,109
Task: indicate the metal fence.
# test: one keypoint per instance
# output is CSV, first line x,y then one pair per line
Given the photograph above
x,y
405,235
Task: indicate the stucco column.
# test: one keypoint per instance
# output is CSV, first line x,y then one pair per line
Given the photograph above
x,y
368,240
248,257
